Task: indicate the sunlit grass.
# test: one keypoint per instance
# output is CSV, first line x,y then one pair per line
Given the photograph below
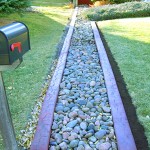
x,y
49,2
24,84
129,42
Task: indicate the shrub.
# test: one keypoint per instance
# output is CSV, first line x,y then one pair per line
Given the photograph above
x,y
119,1
114,1
125,10
100,3
13,5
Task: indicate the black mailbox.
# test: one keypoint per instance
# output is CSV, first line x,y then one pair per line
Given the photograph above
x,y
14,42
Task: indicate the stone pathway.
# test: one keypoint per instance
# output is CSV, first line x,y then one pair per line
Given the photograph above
x,y
82,118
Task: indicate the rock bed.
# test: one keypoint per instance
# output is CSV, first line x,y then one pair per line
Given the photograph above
x,y
82,118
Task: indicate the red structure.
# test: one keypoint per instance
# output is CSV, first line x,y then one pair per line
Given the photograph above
x,y
80,2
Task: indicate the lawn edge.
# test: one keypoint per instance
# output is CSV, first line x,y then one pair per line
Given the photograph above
x,y
43,130
125,140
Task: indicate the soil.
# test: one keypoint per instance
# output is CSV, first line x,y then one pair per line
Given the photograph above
x,y
136,128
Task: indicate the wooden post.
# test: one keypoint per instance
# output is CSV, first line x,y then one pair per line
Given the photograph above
x,y
6,125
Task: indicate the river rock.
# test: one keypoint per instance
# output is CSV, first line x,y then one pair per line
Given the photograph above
x,y
89,105
92,138
91,126
54,126
83,125
65,135
92,83
69,86
81,102
72,124
88,135
63,146
87,147
99,135
106,109
74,143
105,146
59,108
58,138
52,148
73,114
80,147
85,109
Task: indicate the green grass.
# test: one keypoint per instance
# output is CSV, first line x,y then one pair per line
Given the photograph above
x,y
124,10
49,2
24,84
129,42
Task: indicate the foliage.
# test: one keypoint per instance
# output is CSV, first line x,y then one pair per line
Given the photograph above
x,y
13,5
129,43
119,1
114,1
125,10
100,3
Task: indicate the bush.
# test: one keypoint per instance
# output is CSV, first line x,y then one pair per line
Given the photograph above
x,y
125,10
114,1
13,5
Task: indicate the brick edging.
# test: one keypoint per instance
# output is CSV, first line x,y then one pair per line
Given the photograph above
x,y
43,130
125,140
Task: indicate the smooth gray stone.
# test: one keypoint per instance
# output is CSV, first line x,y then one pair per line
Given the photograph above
x,y
91,126
72,124
81,102
100,134
74,143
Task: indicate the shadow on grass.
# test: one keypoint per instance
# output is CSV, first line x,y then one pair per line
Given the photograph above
x,y
136,127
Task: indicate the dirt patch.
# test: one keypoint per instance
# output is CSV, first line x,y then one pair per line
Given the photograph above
x,y
136,128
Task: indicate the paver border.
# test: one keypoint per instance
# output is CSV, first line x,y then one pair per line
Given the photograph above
x,y
125,140
43,130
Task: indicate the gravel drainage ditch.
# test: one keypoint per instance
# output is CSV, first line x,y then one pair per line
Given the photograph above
x,y
82,119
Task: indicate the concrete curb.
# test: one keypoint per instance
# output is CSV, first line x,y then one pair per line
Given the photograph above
x,y
43,131
123,132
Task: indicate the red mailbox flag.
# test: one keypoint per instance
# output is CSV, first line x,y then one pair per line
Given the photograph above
x,y
16,45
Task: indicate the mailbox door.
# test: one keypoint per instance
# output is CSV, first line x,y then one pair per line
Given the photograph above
x,y
4,48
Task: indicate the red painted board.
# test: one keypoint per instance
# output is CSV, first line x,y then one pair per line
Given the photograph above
x,y
80,2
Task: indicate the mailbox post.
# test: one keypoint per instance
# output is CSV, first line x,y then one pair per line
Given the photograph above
x,y
14,43
6,124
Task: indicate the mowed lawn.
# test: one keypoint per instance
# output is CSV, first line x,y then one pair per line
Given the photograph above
x,y
129,42
24,84
49,2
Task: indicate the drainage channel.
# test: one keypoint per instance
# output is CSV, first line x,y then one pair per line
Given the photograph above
x,y
81,119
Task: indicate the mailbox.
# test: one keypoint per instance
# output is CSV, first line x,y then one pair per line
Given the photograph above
x,y
14,42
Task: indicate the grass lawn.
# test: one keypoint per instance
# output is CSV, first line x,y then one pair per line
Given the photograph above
x,y
129,42
49,2
24,84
